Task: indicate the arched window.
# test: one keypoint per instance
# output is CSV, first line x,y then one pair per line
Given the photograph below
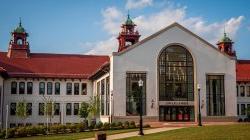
x,y
176,76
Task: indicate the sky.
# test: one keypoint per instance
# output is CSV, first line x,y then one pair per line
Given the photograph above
x,y
91,26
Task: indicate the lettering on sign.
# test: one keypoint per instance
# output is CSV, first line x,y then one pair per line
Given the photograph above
x,y
176,103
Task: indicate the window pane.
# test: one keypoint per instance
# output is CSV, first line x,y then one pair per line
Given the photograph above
x,y
242,91
76,108
42,88
57,88
84,89
29,108
13,87
41,109
49,88
21,87
12,108
68,109
176,75
133,94
56,108
69,89
215,95
243,109
76,88
29,88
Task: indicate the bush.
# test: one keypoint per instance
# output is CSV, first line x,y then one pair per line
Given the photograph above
x,y
73,128
99,125
80,127
92,125
146,126
240,120
119,125
21,132
106,126
246,120
126,125
113,125
132,124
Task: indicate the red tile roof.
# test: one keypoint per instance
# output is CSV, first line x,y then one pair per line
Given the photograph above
x,y
45,65
243,70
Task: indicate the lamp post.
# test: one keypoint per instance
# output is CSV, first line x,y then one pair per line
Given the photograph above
x,y
140,83
199,110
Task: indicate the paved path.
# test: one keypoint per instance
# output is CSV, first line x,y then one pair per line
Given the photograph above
x,y
135,133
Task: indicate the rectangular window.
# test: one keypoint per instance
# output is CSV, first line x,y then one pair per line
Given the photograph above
x,y
76,88
56,108
242,91
57,88
29,88
133,92
69,89
84,89
76,108
49,88
41,109
238,110
13,87
21,87
243,109
107,96
215,95
248,91
248,109
29,109
12,108
41,88
237,90
68,109
98,88
102,87
102,106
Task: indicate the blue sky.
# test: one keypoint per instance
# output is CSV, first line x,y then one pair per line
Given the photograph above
x,y
88,26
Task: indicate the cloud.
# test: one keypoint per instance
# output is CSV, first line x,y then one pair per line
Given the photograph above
x,y
135,4
149,24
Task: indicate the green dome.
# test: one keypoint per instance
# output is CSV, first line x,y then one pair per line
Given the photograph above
x,y
129,21
225,38
20,28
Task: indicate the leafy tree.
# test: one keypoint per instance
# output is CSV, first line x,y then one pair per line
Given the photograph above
x,y
48,109
84,110
21,110
94,106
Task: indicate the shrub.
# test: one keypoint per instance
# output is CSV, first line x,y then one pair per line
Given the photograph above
x,y
240,120
73,128
21,132
146,126
126,125
92,125
132,124
119,125
246,120
99,125
113,125
106,126
80,127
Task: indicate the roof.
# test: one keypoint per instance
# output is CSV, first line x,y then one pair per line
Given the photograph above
x,y
44,65
225,38
243,70
19,29
129,21
175,24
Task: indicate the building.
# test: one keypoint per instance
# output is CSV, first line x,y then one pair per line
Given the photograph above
x,y
171,63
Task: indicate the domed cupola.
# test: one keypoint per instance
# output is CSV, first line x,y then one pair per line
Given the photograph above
x,y
225,44
18,45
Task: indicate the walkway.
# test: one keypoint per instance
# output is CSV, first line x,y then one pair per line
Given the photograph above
x,y
135,133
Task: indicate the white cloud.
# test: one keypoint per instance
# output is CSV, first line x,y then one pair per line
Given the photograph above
x,y
149,24
135,4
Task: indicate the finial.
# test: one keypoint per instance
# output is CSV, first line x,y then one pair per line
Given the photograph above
x,y
128,14
225,34
20,22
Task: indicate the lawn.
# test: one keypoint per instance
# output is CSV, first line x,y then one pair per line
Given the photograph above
x,y
226,132
73,136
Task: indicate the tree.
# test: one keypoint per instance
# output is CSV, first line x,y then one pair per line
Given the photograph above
x,y
84,113
84,110
94,106
21,110
48,110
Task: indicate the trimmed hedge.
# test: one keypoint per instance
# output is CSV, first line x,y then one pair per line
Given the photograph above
x,y
59,129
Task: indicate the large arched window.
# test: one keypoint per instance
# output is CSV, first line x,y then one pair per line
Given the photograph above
x,y
176,76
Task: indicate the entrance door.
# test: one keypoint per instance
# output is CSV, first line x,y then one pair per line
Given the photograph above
x,y
175,113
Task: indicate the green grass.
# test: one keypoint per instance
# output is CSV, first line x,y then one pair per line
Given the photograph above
x,y
73,136
226,132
